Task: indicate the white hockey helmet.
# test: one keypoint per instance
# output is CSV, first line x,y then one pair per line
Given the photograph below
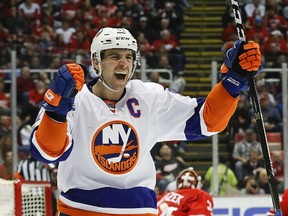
x,y
114,38
188,178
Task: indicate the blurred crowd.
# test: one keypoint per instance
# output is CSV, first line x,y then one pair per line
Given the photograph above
x,y
47,33
266,22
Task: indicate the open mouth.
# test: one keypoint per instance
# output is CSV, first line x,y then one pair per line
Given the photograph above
x,y
120,75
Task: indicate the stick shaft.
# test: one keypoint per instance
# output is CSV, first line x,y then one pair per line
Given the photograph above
x,y
258,114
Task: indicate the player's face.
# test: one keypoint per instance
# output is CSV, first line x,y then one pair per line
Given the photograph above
x,y
117,67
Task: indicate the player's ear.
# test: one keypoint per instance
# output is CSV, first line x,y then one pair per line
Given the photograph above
x,y
95,63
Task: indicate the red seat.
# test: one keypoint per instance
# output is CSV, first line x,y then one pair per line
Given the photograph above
x,y
238,137
274,140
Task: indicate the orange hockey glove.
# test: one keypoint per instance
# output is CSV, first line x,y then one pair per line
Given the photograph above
x,y
59,99
240,61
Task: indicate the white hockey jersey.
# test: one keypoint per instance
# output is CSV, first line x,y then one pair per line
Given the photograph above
x,y
107,166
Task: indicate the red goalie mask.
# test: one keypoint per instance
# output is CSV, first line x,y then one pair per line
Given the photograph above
x,y
188,178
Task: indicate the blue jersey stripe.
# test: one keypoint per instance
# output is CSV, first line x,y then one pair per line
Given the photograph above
x,y
36,154
193,129
137,197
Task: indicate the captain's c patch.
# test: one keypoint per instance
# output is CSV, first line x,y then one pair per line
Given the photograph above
x,y
115,147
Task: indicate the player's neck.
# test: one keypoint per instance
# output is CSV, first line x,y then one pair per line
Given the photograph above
x,y
101,91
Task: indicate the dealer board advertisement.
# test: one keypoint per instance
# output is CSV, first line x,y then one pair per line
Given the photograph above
x,y
242,206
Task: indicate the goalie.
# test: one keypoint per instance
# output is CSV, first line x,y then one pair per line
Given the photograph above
x,y
188,199
101,132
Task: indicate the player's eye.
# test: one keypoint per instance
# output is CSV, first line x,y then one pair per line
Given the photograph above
x,y
129,58
114,57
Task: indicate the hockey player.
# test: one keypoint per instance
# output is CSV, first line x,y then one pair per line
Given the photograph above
x,y
188,199
101,132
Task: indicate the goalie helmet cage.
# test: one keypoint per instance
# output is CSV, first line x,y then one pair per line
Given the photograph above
x,y
25,198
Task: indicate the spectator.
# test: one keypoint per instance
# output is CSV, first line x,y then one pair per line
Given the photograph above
x,y
278,167
66,31
131,9
35,97
116,20
145,28
226,178
271,115
103,20
163,62
175,18
25,83
4,10
79,43
149,10
24,130
274,57
251,187
5,146
35,63
229,33
108,6
167,167
283,8
262,179
4,98
6,169
250,20
259,31
241,119
154,77
144,46
4,34
55,63
155,151
167,40
263,89
45,40
5,127
274,21
276,36
44,77
68,9
166,45
29,9
251,7
242,150
48,14
15,23
251,167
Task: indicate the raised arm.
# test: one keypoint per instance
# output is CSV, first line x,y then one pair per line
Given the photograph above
x,y
222,101
49,139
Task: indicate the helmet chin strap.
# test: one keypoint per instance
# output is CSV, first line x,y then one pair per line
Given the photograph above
x,y
101,79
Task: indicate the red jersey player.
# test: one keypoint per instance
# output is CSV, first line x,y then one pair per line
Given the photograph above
x,y
187,199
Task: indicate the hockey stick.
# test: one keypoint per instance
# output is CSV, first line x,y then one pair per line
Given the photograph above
x,y
258,115
119,157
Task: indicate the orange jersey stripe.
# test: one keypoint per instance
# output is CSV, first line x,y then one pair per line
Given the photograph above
x,y
63,208
218,108
51,136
